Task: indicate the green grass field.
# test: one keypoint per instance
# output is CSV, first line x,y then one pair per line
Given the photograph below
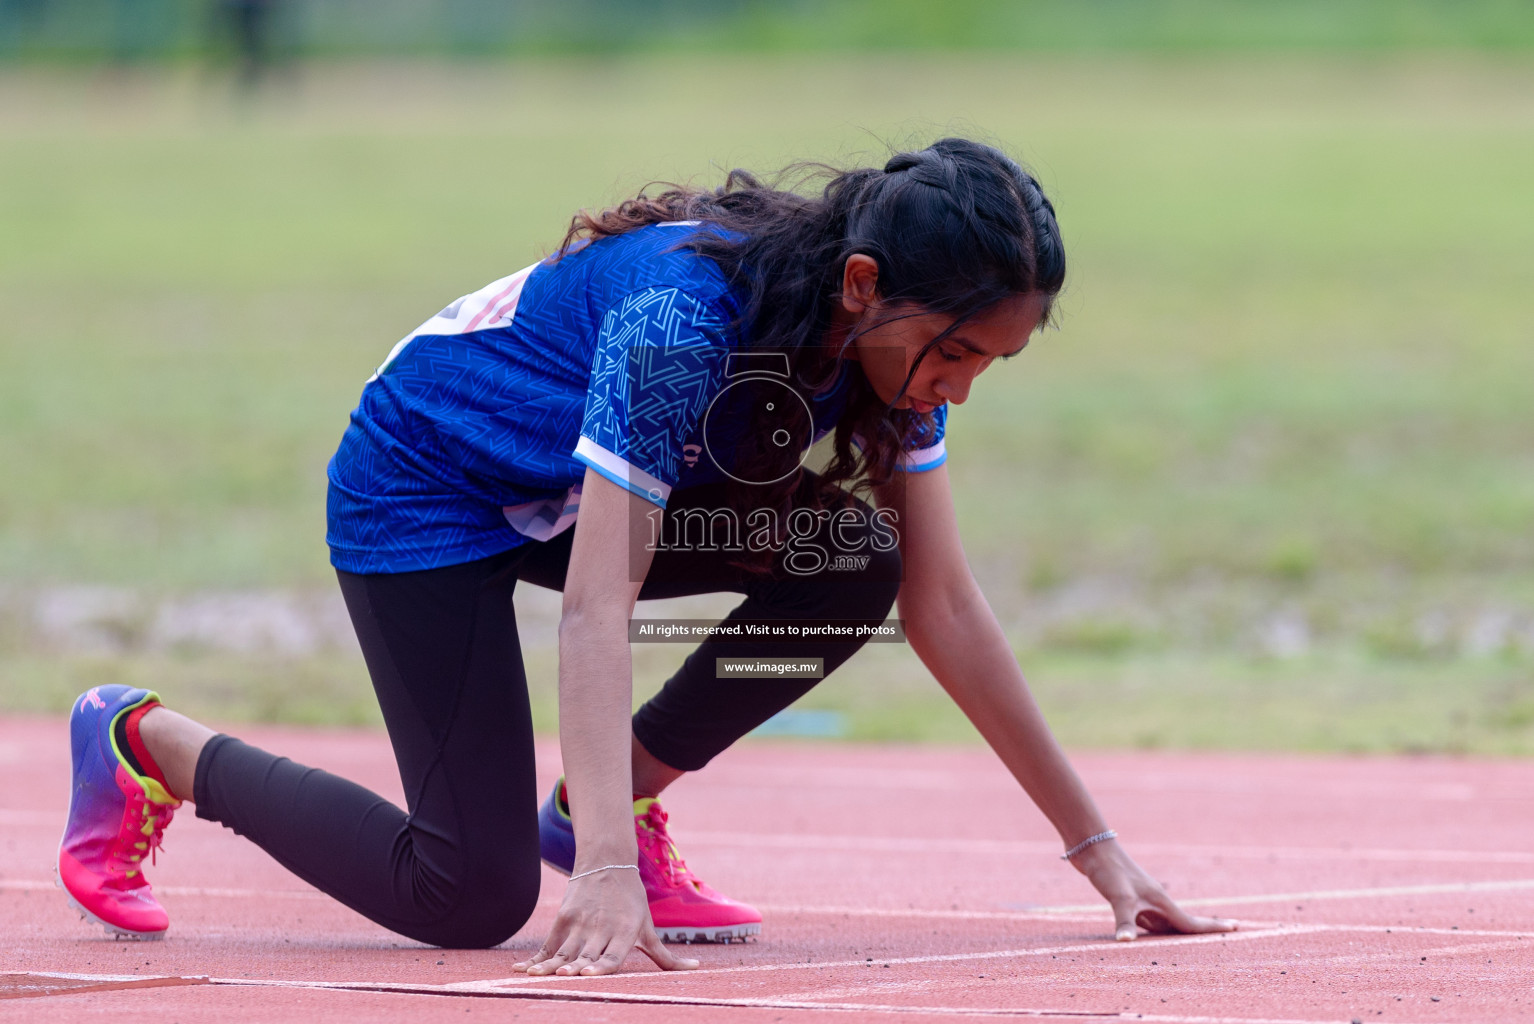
x,y
1270,485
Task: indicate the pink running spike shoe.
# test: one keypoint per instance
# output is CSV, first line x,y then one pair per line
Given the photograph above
x,y
116,817
682,907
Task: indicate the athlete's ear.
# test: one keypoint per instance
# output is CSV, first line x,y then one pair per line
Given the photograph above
x,y
860,284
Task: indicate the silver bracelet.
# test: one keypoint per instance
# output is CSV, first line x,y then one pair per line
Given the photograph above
x,y
1101,837
605,867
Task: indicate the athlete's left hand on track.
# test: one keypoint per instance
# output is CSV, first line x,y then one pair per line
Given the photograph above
x,y
1137,899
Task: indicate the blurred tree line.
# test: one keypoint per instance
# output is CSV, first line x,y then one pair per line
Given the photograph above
x,y
256,32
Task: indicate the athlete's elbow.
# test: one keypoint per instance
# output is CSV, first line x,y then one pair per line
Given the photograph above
x,y
934,610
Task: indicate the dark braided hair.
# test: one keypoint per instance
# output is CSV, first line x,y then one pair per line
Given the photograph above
x,y
954,228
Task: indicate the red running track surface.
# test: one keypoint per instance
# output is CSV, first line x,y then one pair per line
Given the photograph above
x,y
898,884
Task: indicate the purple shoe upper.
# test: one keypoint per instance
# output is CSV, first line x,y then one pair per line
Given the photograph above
x,y
115,818
556,832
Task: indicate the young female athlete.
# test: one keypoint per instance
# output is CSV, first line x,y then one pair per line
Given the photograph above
x,y
626,420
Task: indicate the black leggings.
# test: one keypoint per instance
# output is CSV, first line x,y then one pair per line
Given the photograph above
x,y
460,869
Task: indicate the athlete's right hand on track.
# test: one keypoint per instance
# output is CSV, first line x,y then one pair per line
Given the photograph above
x,y
603,916
1138,900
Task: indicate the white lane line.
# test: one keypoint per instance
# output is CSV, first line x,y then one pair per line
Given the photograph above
x,y
724,1002
950,915
100,979
879,990
753,1002
1021,847
771,1003
284,894
1437,952
1171,1018
1446,888
1026,847
1380,929
987,776
40,818
36,885
1085,912
1103,916
40,885
1102,946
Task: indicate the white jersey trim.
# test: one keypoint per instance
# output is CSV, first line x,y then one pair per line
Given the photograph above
x,y
923,459
494,305
621,472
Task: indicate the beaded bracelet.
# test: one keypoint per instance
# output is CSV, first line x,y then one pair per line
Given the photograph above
x,y
1088,841
604,867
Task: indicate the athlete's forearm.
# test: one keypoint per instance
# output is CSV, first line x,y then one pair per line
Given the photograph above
x,y
964,647
595,699
596,674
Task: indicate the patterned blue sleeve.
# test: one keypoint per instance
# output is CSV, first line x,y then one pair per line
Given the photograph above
x,y
659,362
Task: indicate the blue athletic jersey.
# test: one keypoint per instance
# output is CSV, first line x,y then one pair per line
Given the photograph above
x,y
475,433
